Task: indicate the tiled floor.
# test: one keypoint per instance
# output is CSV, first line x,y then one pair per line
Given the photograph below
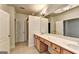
x,y
21,48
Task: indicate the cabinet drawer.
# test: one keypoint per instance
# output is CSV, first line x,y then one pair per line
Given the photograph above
x,y
47,42
42,40
65,51
53,52
56,48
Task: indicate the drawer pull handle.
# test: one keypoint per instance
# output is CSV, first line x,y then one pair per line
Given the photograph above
x,y
55,48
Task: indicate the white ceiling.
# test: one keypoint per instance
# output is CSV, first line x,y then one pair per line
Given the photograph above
x,y
53,7
29,8
37,8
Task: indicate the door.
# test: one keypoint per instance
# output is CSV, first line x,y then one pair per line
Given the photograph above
x,y
4,32
21,37
19,30
33,27
20,19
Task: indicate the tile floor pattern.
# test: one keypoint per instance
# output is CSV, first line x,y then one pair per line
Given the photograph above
x,y
21,48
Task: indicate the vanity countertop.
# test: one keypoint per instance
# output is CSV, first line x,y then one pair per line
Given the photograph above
x,y
69,43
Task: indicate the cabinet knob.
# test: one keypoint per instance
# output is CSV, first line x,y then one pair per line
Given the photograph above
x,y
55,48
9,35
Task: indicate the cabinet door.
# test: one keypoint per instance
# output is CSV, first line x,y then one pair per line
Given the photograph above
x,y
38,44
41,47
35,42
63,51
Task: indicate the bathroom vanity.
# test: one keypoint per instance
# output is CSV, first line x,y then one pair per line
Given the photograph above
x,y
55,44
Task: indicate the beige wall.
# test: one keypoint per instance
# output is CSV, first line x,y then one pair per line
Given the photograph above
x,y
73,13
4,7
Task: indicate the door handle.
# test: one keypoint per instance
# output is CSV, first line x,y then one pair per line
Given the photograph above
x,y
9,35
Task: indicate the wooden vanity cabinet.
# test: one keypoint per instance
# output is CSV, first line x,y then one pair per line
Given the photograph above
x,y
35,40
40,46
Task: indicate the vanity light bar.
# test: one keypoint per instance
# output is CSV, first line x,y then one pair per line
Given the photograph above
x,y
66,8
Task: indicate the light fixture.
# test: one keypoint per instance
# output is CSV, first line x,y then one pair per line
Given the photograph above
x,y
70,6
58,11
44,10
67,8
